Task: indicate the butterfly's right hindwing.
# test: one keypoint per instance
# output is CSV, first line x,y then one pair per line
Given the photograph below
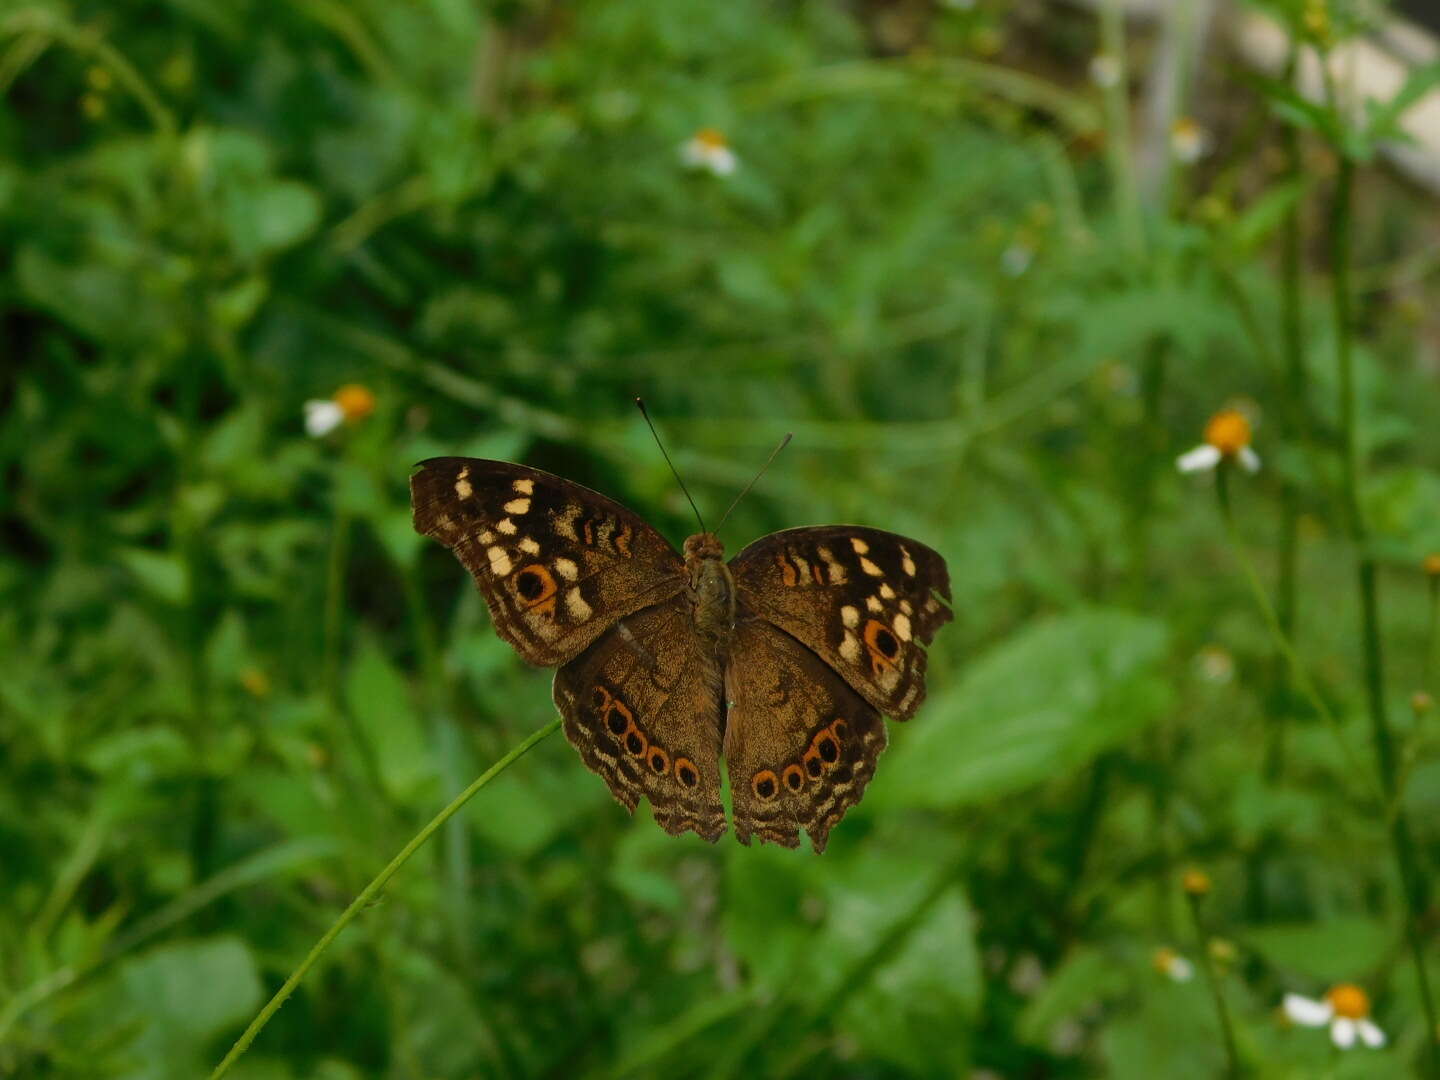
x,y
557,563
642,705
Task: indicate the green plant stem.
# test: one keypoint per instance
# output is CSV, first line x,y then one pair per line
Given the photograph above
x,y
1432,635
1298,673
368,894
1117,140
1412,882
1212,981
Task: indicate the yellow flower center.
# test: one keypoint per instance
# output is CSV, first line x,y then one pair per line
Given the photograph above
x,y
1228,431
355,401
1349,1001
1432,564
710,139
1164,959
1195,882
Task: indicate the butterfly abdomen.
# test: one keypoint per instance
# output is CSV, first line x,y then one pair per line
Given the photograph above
x,y
713,589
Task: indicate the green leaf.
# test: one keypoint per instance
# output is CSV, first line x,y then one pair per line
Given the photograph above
x,y
182,995
1039,706
1385,117
1260,220
161,573
380,701
1339,949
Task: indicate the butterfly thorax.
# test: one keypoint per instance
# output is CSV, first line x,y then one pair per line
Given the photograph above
x,y
712,586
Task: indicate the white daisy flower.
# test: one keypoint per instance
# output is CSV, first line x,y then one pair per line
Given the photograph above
x,y
1227,438
709,149
1345,1007
1189,142
1104,70
1016,259
1172,965
350,404
322,417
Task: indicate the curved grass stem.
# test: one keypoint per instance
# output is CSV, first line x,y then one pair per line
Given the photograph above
x,y
371,891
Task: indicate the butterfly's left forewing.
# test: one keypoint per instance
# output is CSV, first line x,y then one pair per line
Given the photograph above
x,y
867,602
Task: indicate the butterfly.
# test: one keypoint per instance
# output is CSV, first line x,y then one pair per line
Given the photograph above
x,y
782,660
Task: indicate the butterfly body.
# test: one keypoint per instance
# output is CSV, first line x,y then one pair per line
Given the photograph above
x,y
713,589
782,659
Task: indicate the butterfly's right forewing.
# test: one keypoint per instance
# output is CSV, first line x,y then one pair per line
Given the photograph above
x,y
557,563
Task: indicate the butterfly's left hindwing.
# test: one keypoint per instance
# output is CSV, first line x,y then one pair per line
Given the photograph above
x,y
866,602
556,562
800,744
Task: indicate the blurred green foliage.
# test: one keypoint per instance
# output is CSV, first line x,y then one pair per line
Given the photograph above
x,y
233,681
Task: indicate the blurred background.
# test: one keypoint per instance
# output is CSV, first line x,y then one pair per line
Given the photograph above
x,y
995,264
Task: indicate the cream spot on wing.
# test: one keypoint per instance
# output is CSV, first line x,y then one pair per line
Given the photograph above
x,y
886,593
463,488
872,603
566,569
802,568
887,678
850,615
529,546
606,530
850,648
524,487
463,473
517,506
576,605
906,608
902,627
486,536
834,570
499,561
907,563
446,522
909,698
932,605
506,526
859,545
565,521
870,568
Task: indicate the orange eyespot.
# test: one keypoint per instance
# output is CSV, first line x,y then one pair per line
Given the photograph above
x,y
764,784
535,586
659,761
685,772
618,718
812,763
635,741
827,747
793,777
883,644
599,699
838,729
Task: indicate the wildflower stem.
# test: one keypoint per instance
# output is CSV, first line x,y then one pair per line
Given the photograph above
x,y
1212,980
1412,882
372,890
1117,123
1272,622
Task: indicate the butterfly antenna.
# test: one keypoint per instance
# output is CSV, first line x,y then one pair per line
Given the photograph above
x,y
783,443
640,404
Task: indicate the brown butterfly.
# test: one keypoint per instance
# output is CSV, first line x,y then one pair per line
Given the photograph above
x,y
782,660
